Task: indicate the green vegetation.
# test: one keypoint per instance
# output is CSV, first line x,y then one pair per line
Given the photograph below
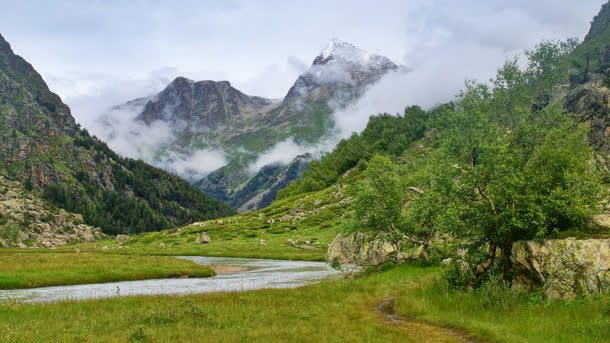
x,y
504,170
384,133
43,147
504,162
332,311
313,219
33,269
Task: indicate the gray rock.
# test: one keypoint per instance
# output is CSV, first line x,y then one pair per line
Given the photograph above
x,y
122,239
361,249
562,268
203,238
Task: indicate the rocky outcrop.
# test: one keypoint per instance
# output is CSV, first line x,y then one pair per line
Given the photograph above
x,y
562,268
27,221
43,147
215,115
361,249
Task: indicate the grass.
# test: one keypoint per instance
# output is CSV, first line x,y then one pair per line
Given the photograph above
x,y
499,314
331,311
35,269
315,218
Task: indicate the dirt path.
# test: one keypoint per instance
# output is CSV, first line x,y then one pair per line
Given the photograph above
x,y
418,330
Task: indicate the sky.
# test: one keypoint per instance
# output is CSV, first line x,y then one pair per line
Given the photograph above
x,y
99,53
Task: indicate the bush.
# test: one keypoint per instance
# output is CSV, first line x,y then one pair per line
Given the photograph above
x,y
458,274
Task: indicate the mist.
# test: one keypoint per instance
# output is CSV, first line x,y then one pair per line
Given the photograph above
x,y
442,43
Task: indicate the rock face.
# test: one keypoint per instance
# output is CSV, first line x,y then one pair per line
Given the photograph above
x,y
27,221
562,268
213,115
361,249
43,147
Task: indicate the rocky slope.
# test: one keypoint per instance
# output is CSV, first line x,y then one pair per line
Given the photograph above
x,y
214,115
27,221
587,95
42,146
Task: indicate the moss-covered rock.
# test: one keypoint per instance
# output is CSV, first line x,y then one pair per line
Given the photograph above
x,y
361,249
562,268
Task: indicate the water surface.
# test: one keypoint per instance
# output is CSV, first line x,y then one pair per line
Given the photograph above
x,y
257,274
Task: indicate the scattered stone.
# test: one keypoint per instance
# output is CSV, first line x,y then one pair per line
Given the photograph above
x,y
262,241
105,247
305,245
203,238
33,222
162,245
77,250
122,239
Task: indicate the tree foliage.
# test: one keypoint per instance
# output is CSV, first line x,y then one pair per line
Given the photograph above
x,y
506,170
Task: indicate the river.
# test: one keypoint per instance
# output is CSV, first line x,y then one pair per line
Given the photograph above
x,y
253,274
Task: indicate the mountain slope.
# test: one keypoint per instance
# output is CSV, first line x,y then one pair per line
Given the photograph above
x,y
41,145
27,221
209,115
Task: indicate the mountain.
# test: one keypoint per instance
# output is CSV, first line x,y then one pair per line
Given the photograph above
x,y
215,116
587,94
42,146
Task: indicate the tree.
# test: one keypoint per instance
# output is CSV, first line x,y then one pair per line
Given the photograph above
x,y
379,197
504,172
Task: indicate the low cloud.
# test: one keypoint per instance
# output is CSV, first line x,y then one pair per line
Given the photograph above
x,y
195,165
118,127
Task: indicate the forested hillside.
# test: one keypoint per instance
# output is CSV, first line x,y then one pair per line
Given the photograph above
x,y
42,146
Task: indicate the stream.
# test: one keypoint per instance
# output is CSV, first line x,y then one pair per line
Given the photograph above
x,y
255,274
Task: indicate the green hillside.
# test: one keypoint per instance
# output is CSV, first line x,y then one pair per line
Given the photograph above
x,y
42,146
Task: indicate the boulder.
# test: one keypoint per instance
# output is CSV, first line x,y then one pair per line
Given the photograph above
x,y
562,268
203,238
361,249
122,239
601,221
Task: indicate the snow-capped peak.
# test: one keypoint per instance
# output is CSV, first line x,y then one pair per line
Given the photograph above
x,y
345,52
340,49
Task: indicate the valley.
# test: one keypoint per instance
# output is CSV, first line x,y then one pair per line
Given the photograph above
x,y
483,218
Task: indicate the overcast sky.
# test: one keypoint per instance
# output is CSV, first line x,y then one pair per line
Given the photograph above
x,y
118,50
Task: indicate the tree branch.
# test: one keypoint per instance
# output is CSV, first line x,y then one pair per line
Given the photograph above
x,y
416,190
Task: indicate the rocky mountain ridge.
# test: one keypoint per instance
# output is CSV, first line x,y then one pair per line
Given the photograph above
x,y
42,146
214,115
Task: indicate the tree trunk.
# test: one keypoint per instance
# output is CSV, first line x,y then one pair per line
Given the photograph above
x,y
484,266
507,271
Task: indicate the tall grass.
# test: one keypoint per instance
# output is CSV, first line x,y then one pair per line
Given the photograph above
x,y
27,270
331,311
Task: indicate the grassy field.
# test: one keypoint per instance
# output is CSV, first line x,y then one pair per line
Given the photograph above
x,y
312,220
332,311
38,269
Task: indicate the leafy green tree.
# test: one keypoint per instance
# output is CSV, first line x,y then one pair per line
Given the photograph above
x,y
505,171
379,197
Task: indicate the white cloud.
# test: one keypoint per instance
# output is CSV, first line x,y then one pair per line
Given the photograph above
x,y
96,55
195,165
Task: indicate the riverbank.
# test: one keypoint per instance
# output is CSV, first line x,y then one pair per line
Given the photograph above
x,y
40,269
331,311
